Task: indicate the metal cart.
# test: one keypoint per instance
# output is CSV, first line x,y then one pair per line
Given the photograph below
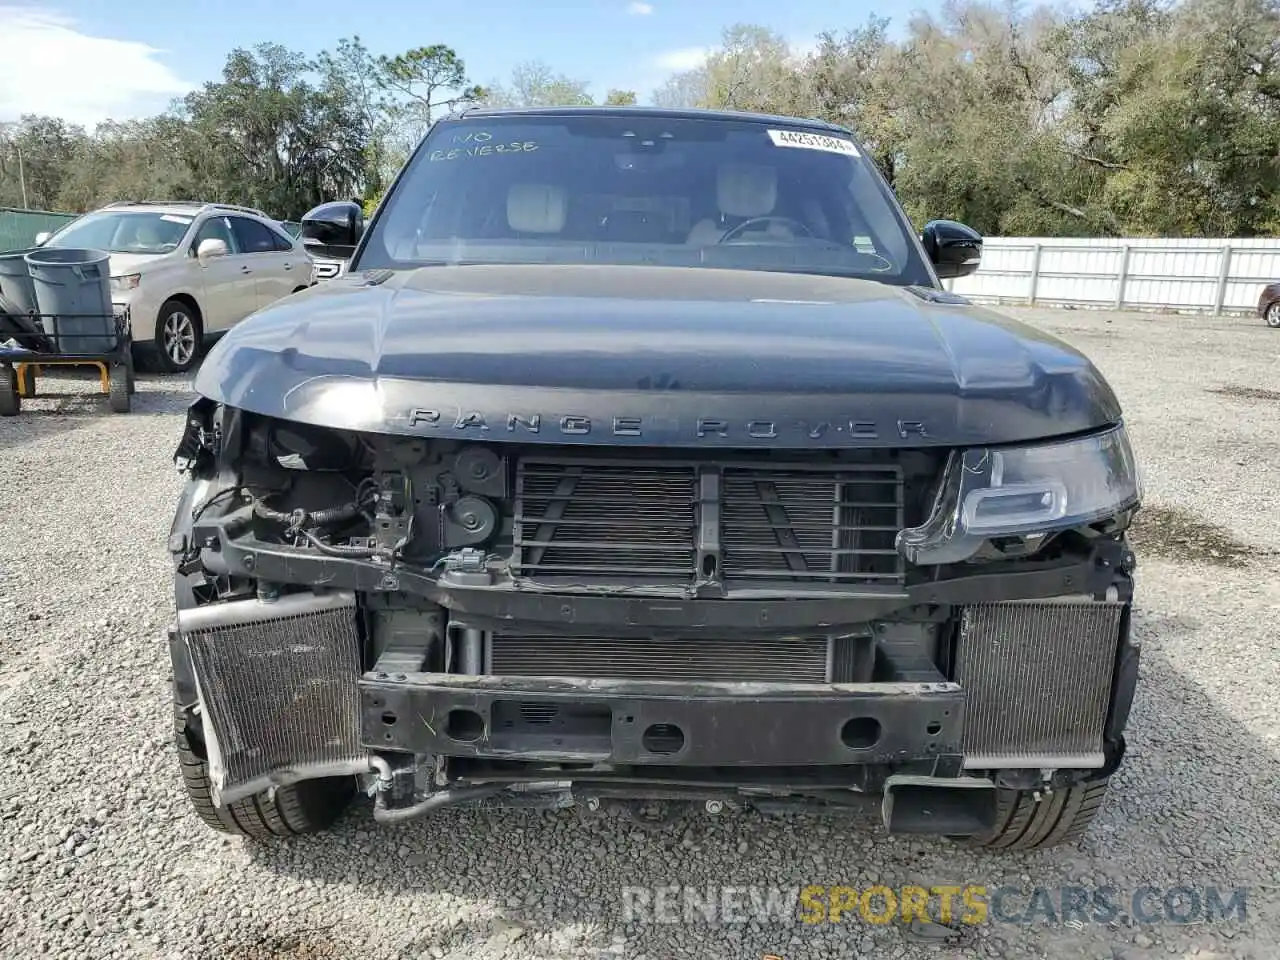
x,y
42,344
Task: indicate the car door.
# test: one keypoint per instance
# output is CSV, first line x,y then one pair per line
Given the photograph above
x,y
227,283
277,269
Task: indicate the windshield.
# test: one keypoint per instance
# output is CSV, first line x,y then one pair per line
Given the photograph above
x,y
643,189
116,232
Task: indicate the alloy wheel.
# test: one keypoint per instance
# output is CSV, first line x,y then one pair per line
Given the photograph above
x,y
179,337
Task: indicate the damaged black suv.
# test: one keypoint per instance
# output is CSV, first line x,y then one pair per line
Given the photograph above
x,y
641,457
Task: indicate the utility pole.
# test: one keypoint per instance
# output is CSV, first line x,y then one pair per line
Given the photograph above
x,y
22,176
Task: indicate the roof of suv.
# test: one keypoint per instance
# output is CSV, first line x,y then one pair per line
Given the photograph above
x,y
188,207
684,113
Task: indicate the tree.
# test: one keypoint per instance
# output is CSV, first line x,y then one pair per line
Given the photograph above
x,y
266,136
352,77
850,82
755,69
534,84
136,159
620,98
688,88
1178,111
47,148
426,80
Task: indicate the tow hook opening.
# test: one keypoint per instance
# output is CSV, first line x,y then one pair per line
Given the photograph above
x,y
940,806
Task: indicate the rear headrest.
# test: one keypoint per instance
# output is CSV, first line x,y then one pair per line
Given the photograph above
x,y
536,208
744,190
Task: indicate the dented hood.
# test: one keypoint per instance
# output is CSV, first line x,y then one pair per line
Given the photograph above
x,y
656,356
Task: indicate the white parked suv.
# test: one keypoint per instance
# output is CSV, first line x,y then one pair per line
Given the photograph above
x,y
188,271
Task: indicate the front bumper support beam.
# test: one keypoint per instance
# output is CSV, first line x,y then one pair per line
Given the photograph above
x,y
660,723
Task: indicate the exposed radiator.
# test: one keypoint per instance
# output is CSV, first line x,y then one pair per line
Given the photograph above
x,y
1037,681
278,689
677,521
801,660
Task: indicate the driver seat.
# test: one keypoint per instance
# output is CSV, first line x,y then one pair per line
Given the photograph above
x,y
743,191
536,208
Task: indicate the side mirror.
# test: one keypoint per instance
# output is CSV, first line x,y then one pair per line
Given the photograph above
x,y
210,248
42,238
954,249
338,224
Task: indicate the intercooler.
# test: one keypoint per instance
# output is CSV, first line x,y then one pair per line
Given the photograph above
x,y
679,521
1037,680
277,683
799,660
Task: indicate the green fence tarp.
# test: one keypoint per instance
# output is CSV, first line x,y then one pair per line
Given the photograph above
x,y
18,228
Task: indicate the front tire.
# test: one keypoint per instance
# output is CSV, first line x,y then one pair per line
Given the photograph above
x,y
179,334
1060,817
1272,316
118,389
311,806
10,400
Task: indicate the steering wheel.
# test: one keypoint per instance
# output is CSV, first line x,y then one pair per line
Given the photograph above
x,y
788,221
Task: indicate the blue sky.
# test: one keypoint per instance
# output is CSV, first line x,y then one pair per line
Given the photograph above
x,y
89,58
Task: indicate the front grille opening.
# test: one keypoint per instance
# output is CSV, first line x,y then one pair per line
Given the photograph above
x,y
812,526
575,519
676,521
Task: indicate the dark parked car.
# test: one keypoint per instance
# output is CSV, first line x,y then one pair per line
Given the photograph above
x,y
640,457
1269,305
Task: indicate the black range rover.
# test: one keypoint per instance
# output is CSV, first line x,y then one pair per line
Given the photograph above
x,y
641,456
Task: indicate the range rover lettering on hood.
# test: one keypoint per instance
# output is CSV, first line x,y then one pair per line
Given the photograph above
x,y
701,428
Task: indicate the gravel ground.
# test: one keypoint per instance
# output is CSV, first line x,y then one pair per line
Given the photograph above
x,y
106,859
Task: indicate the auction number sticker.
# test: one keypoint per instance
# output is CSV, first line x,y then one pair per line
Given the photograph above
x,y
812,141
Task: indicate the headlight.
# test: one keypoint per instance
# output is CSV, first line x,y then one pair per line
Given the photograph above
x,y
126,283
1024,491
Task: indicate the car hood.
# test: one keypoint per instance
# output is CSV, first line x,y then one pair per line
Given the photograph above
x,y
653,355
123,264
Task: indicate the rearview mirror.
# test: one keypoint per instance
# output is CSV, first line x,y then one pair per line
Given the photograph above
x,y
338,224
955,250
210,248
42,238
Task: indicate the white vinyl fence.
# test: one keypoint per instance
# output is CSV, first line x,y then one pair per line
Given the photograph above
x,y
1210,276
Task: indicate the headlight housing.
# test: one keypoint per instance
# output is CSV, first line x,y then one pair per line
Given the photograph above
x,y
990,492
125,283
